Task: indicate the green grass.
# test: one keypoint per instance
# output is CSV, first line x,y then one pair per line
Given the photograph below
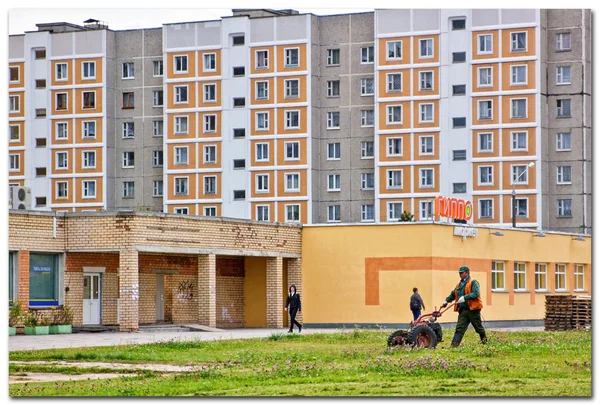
x,y
356,363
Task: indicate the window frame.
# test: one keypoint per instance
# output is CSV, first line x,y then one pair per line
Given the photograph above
x,y
513,39
157,98
481,211
395,50
490,175
288,89
560,175
557,276
390,82
16,101
85,158
370,54
422,171
85,192
288,118
127,162
514,180
579,274
560,75
561,108
366,179
364,213
207,152
364,150
128,130
364,87
11,133
294,149
256,59
334,182
561,208
391,144
426,56
125,71
65,103
426,72
498,272
390,113
157,64
126,189
288,212
157,188
261,209
266,120
58,132
426,121
259,179
512,108
288,57
65,186
560,142
128,100
512,75
85,129
61,157
62,77
213,61
423,142
178,154
257,147
390,176
512,141
335,149
182,59
83,70
520,269
181,183
540,275
334,213
205,87
364,118
209,124
390,211
331,89
291,176
157,158
331,120
479,43
490,77
177,124
92,105
331,56
559,41
178,95
257,86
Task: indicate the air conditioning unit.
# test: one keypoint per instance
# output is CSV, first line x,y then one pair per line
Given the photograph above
x,y
21,198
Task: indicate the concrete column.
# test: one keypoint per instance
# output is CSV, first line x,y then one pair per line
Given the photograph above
x,y
129,285
23,289
294,276
275,298
207,290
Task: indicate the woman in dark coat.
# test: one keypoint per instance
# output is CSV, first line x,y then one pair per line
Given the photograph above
x,y
293,302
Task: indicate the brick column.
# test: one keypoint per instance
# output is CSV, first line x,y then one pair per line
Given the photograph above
x,y
207,290
294,276
23,292
275,302
129,284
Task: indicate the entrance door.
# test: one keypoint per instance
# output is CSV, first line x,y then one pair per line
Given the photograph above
x,y
91,299
160,297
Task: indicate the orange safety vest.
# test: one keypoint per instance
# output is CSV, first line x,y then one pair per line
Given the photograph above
x,y
472,304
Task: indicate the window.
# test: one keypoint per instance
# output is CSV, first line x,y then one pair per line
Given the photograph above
x,y
40,54
541,277
518,108
13,104
181,155
519,174
561,277
394,50
40,84
522,208
15,132
563,108
518,75
367,149
262,213
459,122
394,82
292,182
333,88
292,150
157,98
62,130
62,189
459,188
333,182
89,99
128,130
89,159
157,69
181,185
89,70
239,101
62,72
518,41
426,145
239,132
394,211
366,87
459,57
563,41
181,210
210,154
210,93
425,81
394,114
128,160
43,279
333,213
262,152
157,158
62,161
484,77
262,121
128,100
394,179
262,59
291,57
209,62
367,54
292,213
40,142
14,163
157,188
239,163
520,276
426,176
426,210
181,94
426,48
579,277
367,118
13,74
181,64
486,208
333,151
292,88
563,141
262,90
292,119
426,113
181,125
563,75
497,276
367,181
486,175
394,147
89,129
333,57
459,154
564,208
89,188
485,142
367,213
459,24
563,175
40,112
333,120
459,90
262,183
485,109
238,40
485,44
157,128
128,70
128,189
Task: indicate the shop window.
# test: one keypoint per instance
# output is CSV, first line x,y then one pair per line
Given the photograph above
x,y
43,279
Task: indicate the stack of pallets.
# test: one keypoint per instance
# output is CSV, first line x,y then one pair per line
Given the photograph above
x,y
582,312
559,312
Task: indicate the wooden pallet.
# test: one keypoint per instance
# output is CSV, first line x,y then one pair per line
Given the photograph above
x,y
567,312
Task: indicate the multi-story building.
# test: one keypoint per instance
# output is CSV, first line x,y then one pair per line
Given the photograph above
x,y
279,116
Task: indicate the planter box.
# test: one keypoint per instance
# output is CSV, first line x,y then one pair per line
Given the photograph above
x,y
12,330
37,330
60,329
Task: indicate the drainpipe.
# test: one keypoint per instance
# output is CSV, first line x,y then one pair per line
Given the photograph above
x,y
583,149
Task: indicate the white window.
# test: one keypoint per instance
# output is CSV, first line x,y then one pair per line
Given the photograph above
x,y
518,108
333,213
519,174
484,77
486,175
15,132
157,70
367,118
128,130
262,90
181,125
563,141
426,145
210,154
262,183
262,121
497,276
181,185
333,57
210,185
333,182
426,176
518,75
291,57
292,87
367,213
62,189
563,175
485,44
333,120
333,88
518,41
89,99
366,87
89,129
181,210
62,72
14,163
518,141
426,210
128,189
292,213
262,213
367,149
181,155
209,62
89,188
541,277
262,152
426,48
522,208
425,81
128,72
14,74
157,158
89,70
563,75
564,207
210,93
394,114
394,211
563,41
485,144
333,151
181,64
520,276
394,50
426,113
367,54
181,94
128,160
292,182
486,208
579,277
89,159
210,123
157,98
485,109
292,119
561,277
367,181
262,59
563,108
292,150
13,104
62,130
394,179
394,147
61,101
62,160
157,188
394,82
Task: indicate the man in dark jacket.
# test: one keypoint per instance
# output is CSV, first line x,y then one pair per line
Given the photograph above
x,y
295,305
416,303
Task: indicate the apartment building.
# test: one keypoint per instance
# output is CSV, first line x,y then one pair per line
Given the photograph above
x,y
279,116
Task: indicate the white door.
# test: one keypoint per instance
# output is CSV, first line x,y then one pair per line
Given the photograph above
x,y
160,297
91,299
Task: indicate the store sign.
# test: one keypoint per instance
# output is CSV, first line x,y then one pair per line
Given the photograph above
x,y
453,208
42,268
465,232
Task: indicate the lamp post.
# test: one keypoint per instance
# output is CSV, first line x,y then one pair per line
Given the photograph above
x,y
514,195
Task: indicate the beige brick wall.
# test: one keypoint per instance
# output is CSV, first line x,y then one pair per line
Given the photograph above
x,y
110,295
207,286
274,292
147,298
129,290
230,302
184,301
74,298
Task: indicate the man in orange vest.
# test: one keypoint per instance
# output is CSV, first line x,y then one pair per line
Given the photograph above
x,y
469,304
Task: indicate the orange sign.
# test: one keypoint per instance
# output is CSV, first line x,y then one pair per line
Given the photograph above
x,y
453,208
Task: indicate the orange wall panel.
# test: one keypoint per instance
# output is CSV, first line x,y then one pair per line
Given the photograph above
x,y
302,92
21,129
21,112
270,57
506,109
254,92
202,206
495,176
191,94
475,77
170,63
507,174
507,205
383,148
507,142
417,179
281,183
253,183
70,191
417,49
202,127
98,169
271,160
495,108
506,43
21,171
417,81
201,177
475,45
253,123
79,131
21,82
98,99
217,71
406,49
383,207
70,74
496,212
506,76
98,76
383,180
271,205
70,159
170,187
99,190
191,154
209,104
218,162
405,115
281,121
383,83
302,57
281,152
417,146
417,114
191,133
495,143
69,105
303,210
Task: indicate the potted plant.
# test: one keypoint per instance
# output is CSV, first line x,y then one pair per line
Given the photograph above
x,y
36,324
31,321
15,317
43,327
62,320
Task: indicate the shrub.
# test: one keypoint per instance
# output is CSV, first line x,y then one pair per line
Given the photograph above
x,y
16,314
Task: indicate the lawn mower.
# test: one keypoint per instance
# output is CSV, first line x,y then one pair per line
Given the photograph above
x,y
424,331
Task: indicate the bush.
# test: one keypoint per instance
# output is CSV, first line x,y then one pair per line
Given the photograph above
x,y
31,320
62,315
16,314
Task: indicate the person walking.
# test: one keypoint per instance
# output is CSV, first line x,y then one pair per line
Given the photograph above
x,y
416,303
468,305
295,306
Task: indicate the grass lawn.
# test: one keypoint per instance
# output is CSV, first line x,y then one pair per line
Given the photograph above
x,y
355,363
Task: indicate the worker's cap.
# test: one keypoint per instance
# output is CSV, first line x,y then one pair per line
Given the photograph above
x,y
463,269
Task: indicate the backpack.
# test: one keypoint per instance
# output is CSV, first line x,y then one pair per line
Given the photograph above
x,y
415,304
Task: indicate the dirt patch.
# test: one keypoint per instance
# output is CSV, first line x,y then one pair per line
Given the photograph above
x,y
50,377
165,368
